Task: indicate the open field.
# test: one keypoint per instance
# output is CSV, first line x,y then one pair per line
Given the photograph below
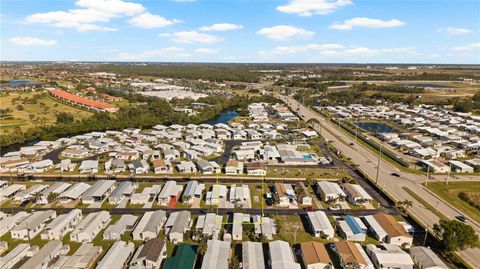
x,y
450,193
28,113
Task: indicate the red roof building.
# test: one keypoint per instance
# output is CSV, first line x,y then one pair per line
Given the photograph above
x,y
82,101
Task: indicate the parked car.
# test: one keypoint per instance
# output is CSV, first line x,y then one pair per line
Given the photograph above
x,y
461,218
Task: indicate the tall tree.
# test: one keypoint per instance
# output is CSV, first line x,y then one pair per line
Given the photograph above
x,y
455,235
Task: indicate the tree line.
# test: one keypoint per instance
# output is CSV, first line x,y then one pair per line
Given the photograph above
x,y
149,112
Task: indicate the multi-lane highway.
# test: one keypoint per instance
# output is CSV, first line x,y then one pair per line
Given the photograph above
x,y
368,161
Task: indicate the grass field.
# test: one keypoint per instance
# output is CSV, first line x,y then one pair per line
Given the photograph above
x,y
43,112
450,194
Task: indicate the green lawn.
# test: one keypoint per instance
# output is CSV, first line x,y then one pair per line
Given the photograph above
x,y
42,112
450,194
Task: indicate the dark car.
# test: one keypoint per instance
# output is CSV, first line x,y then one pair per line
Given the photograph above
x,y
25,203
309,208
395,174
461,218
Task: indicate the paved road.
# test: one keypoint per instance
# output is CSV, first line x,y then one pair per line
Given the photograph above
x,y
223,211
367,163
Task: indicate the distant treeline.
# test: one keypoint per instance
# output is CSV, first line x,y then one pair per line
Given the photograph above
x,y
212,72
311,83
151,111
388,88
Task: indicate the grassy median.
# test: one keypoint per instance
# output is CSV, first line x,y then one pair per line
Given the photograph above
x,y
450,193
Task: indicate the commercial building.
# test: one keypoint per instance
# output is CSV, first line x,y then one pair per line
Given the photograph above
x,y
82,101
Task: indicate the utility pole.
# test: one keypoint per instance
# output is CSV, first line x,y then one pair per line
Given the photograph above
x,y
356,136
425,238
428,175
448,174
378,164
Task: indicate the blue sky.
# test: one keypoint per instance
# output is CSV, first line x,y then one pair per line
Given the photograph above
x,y
317,31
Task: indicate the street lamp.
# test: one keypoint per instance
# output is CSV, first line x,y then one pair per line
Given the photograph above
x,y
378,164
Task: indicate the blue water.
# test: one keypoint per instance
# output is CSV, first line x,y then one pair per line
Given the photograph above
x,y
19,82
375,127
426,85
224,117
308,156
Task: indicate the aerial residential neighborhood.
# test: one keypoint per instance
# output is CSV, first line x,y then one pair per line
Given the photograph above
x,y
191,134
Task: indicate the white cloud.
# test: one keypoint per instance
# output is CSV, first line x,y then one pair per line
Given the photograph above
x,y
336,50
192,37
467,48
455,31
367,23
221,27
150,21
306,48
91,11
162,54
206,50
31,41
284,32
313,7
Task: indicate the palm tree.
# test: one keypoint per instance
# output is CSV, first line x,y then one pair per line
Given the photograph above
x,y
405,205
52,197
37,196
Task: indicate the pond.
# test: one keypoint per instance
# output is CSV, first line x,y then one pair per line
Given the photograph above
x,y
22,82
426,85
375,127
224,117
